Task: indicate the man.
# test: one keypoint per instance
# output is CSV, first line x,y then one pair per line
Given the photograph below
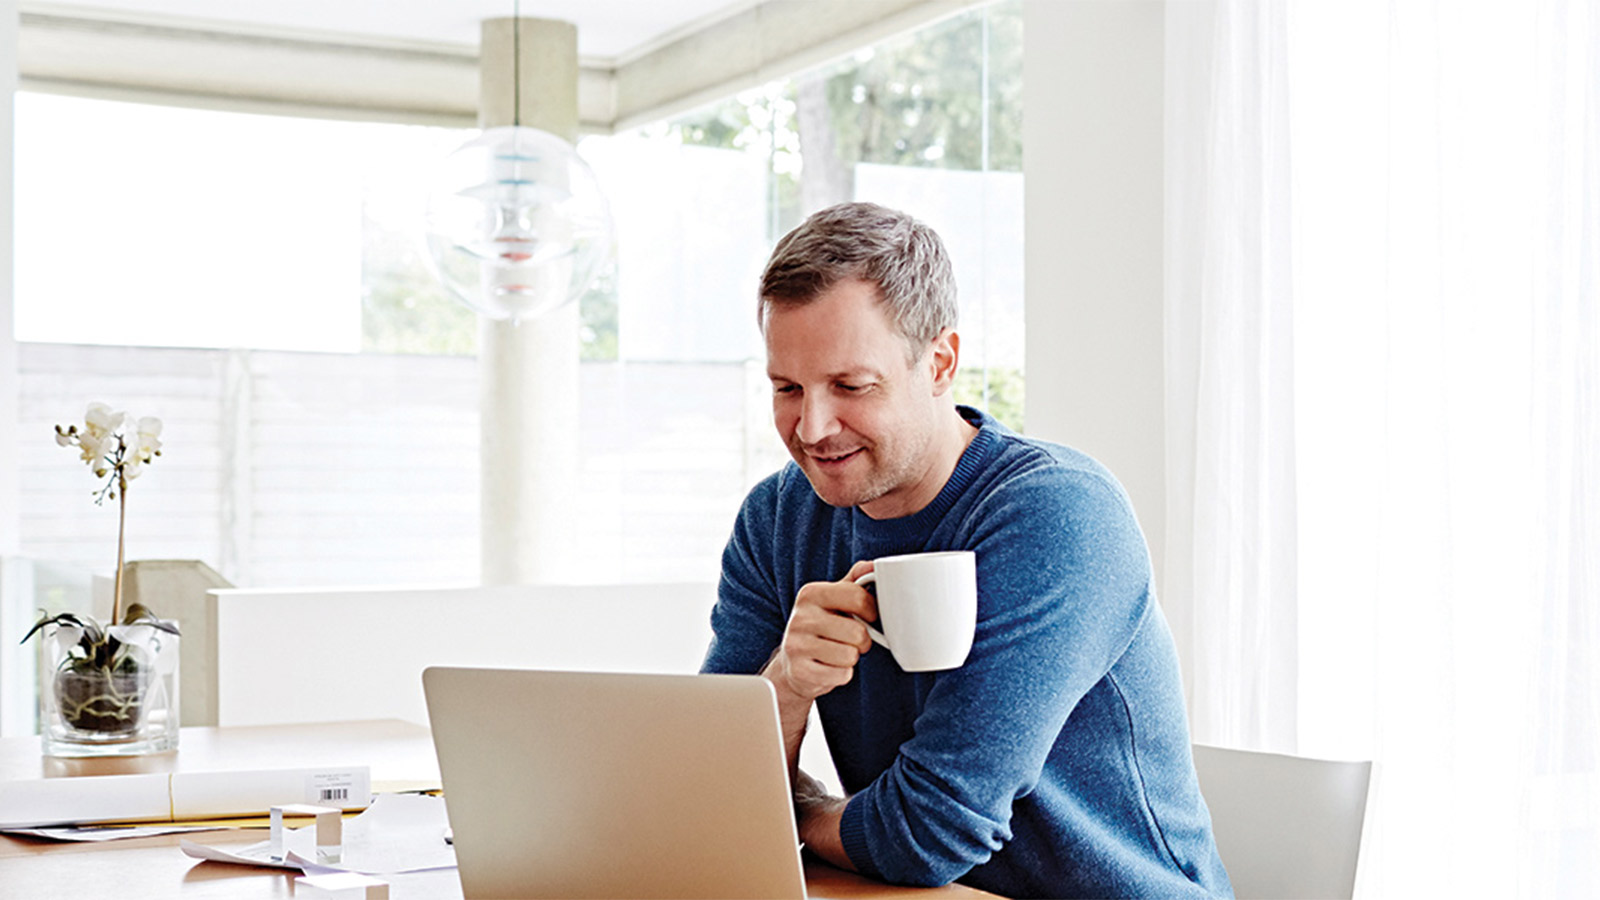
x,y
1055,762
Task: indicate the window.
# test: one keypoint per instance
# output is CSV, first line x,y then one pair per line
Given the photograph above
x,y
929,122
258,282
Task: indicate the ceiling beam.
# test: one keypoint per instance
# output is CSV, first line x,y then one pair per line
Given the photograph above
x,y
254,69
248,70
761,43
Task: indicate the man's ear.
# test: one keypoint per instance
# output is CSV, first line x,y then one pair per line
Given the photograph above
x,y
944,355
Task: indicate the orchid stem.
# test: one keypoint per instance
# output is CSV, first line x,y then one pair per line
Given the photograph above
x,y
122,522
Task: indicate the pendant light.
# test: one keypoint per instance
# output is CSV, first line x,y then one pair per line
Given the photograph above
x,y
516,221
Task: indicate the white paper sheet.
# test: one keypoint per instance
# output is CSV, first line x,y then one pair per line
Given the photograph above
x,y
398,833
99,833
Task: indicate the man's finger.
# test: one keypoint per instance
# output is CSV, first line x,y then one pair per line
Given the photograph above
x,y
836,597
827,651
831,626
861,568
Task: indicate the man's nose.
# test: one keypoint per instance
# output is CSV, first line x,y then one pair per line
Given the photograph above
x,y
817,419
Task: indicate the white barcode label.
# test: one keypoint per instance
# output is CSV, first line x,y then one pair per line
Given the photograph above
x,y
339,787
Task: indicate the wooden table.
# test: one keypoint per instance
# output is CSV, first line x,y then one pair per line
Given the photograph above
x,y
397,752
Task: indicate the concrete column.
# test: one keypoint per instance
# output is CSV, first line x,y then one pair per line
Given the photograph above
x,y
529,370
1094,256
10,379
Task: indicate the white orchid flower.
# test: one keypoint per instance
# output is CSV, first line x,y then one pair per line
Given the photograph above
x,y
101,420
93,448
149,438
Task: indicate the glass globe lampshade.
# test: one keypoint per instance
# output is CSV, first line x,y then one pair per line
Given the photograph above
x,y
516,223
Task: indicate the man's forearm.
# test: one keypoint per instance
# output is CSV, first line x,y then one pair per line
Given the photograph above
x,y
817,816
794,714
816,812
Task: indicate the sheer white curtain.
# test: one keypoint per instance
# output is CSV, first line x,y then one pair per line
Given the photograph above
x,y
1384,468
1231,542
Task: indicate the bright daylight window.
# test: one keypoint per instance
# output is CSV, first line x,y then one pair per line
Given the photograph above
x,y
259,283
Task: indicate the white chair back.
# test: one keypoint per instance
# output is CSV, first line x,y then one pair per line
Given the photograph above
x,y
1286,826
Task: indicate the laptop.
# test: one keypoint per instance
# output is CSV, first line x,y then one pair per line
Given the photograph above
x,y
582,784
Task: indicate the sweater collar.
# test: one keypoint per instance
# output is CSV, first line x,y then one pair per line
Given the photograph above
x,y
972,461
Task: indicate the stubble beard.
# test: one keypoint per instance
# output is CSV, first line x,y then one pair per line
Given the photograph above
x,y
887,471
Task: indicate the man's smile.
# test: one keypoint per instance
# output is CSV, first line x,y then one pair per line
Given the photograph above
x,y
829,459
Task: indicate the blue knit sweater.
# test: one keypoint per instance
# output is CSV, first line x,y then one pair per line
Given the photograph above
x,y
1055,762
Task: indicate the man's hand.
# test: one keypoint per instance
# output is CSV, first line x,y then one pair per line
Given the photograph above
x,y
822,642
820,647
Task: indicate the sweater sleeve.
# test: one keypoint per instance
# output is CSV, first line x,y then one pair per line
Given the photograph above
x,y
1063,584
749,617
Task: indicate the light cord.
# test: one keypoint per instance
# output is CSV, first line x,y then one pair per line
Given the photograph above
x,y
516,63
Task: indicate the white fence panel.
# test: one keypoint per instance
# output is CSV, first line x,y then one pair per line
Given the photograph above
x,y
307,469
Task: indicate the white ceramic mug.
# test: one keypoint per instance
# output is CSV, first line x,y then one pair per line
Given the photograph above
x,y
927,607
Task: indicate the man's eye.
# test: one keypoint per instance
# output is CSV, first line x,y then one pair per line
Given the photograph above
x,y
784,388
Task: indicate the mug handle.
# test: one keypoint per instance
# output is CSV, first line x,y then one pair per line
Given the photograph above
x,y
863,581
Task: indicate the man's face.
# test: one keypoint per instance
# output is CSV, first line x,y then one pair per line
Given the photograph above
x,y
855,415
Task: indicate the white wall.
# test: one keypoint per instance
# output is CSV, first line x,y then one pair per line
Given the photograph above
x,y
1093,164
359,653
14,714
9,529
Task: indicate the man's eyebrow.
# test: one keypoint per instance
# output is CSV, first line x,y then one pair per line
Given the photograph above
x,y
864,372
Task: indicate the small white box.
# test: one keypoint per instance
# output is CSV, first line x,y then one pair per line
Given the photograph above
x,y
343,885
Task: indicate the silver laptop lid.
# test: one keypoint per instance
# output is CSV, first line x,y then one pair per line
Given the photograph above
x,y
576,784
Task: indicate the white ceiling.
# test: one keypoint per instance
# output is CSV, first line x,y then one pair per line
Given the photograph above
x,y
607,29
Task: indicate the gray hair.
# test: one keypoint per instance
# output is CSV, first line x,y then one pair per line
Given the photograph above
x,y
899,255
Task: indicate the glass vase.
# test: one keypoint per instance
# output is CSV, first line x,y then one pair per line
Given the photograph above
x,y
118,703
